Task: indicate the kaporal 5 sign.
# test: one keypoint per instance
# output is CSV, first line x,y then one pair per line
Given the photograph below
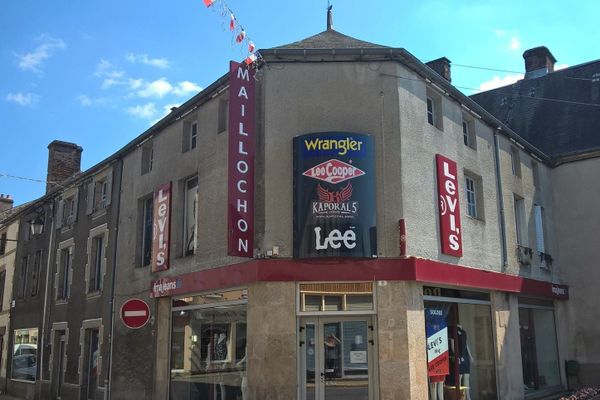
x,y
449,207
334,199
242,135
162,227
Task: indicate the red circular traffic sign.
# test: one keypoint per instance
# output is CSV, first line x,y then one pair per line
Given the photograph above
x,y
135,313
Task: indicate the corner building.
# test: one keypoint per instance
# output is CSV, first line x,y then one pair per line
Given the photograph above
x,y
361,283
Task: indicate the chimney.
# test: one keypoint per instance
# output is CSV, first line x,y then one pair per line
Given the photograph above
x,y
442,67
64,160
6,202
538,62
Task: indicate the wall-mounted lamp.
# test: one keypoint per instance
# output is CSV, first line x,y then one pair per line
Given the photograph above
x,y
36,226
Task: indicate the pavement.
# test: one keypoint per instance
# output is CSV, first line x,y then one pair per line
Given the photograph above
x,y
7,397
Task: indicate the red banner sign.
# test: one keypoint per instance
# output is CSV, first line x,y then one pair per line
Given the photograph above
x,y
449,206
162,227
242,135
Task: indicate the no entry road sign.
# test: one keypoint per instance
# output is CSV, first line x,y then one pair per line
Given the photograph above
x,y
135,313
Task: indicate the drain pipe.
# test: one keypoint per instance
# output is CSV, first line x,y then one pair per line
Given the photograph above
x,y
500,196
108,382
44,316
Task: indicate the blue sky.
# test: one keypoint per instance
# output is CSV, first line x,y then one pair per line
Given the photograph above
x,y
99,73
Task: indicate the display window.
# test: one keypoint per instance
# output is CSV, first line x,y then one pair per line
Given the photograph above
x,y
208,347
24,357
460,345
539,354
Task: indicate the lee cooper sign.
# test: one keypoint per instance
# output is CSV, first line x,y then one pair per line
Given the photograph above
x,y
162,228
241,161
449,207
334,199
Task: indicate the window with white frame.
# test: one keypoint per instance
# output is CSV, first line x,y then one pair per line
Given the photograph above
x,y
520,225
471,197
190,135
468,129
434,109
190,216
70,210
35,275
147,157
540,237
66,212
99,192
515,161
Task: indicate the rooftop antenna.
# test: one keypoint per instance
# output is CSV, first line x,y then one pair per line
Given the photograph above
x,y
329,16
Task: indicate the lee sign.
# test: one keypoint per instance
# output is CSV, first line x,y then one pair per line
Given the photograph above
x,y
162,227
449,207
240,186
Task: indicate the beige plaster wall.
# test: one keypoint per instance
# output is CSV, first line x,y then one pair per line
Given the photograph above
x,y
272,341
401,341
7,263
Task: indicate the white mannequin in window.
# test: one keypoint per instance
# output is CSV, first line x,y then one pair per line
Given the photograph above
x,y
217,351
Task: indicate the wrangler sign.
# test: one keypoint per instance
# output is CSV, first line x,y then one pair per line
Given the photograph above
x,y
334,199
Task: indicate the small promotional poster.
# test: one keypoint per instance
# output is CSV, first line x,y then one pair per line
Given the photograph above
x,y
436,330
334,196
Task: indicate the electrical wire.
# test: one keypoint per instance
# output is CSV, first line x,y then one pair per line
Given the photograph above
x,y
23,178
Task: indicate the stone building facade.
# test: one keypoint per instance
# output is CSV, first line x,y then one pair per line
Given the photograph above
x,y
400,242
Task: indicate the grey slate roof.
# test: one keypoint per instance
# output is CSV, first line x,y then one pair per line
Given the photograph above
x,y
330,39
558,128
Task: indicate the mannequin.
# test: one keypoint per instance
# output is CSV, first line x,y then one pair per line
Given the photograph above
x,y
463,353
331,354
217,351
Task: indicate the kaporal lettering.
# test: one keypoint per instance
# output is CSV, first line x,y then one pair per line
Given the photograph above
x,y
319,207
343,145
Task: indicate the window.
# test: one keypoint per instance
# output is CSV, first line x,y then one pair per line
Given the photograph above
x,y
520,227
99,192
468,128
147,226
223,115
22,288
2,244
539,354
2,283
64,273
96,262
515,161
190,135
471,197
69,211
190,216
434,109
535,173
147,157
35,276
540,241
24,359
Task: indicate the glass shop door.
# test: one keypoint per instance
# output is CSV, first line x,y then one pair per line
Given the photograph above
x,y
336,358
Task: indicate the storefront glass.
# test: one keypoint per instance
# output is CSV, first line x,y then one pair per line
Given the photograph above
x,y
24,358
208,347
539,353
460,345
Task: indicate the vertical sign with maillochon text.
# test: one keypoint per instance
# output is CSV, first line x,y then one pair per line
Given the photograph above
x,y
242,134
449,206
334,196
161,233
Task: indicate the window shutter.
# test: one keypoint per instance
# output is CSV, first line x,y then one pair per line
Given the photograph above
x,y
90,198
59,214
185,145
109,188
539,229
75,204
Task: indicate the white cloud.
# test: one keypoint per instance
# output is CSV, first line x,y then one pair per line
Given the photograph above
x,y
84,100
167,108
145,59
515,43
135,83
186,88
87,101
24,99
33,60
500,32
561,66
143,111
497,82
158,88
112,76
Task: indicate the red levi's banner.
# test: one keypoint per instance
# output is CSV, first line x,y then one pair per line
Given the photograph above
x,y
161,234
449,206
242,135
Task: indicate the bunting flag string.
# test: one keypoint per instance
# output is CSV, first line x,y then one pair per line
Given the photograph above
x,y
238,31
